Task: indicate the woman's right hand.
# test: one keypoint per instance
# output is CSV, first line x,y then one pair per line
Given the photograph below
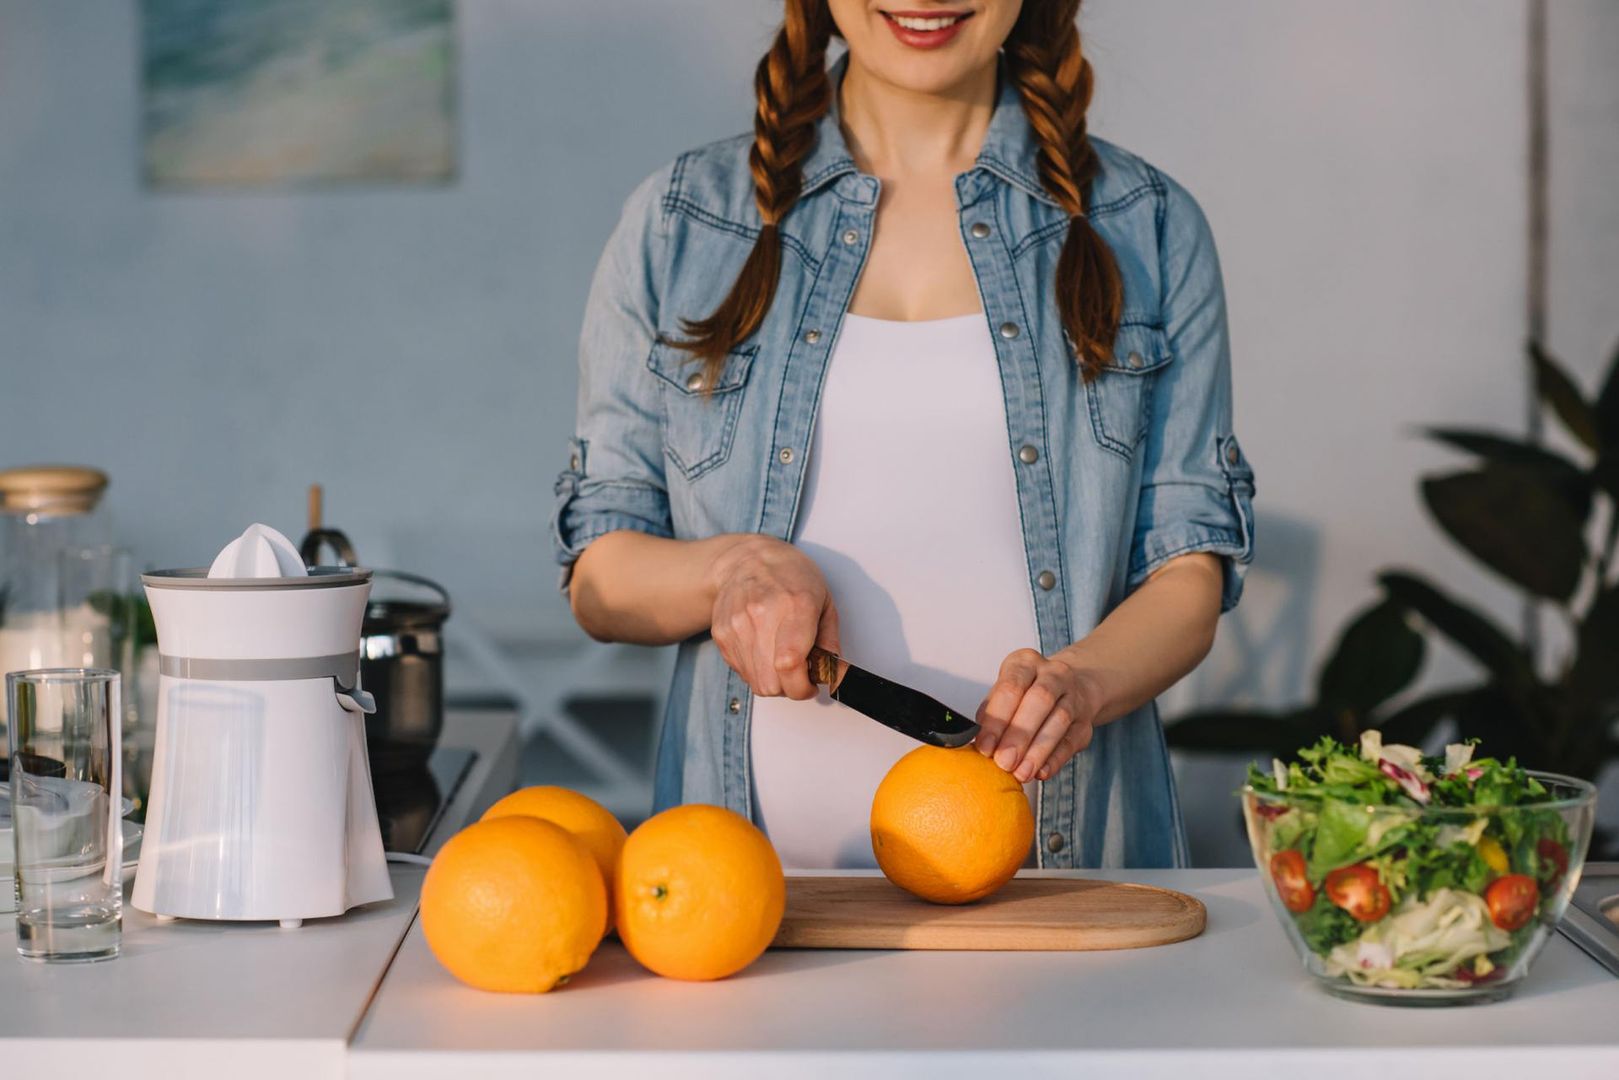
x,y
771,605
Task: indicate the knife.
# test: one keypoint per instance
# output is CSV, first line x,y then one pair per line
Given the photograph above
x,y
907,711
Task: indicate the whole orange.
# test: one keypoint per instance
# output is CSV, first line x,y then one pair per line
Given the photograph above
x,y
590,822
950,826
515,904
700,893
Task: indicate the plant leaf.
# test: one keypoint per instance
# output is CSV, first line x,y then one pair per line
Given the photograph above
x,y
1607,404
1573,482
1500,448
1476,633
1507,725
1514,524
1275,733
1594,676
1414,722
1556,389
1376,657
1605,473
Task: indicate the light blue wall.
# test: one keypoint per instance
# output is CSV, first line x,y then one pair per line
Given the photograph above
x,y
414,348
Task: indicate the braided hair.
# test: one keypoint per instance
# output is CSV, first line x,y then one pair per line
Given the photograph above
x,y
793,93
1054,82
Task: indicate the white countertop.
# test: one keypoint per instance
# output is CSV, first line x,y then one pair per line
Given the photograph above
x,y
202,999
334,999
1233,1002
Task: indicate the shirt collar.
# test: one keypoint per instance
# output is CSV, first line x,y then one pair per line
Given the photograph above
x,y
1009,153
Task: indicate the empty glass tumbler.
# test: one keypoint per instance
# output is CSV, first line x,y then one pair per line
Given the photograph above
x,y
66,810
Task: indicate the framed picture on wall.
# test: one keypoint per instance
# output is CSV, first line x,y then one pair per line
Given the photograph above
x,y
277,93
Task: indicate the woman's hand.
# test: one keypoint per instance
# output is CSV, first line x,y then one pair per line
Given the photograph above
x,y
1040,712
770,606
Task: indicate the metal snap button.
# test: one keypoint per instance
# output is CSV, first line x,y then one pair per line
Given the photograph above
x,y
1231,454
1046,580
735,705
1028,455
812,336
851,237
1010,330
786,455
1055,842
694,381
573,462
980,230
1135,360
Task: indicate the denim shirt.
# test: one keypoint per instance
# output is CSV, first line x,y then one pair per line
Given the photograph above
x,y
1114,477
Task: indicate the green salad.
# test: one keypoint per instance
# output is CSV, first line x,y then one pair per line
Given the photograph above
x,y
1403,870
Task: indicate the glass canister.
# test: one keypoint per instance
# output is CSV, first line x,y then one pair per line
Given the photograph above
x,y
46,512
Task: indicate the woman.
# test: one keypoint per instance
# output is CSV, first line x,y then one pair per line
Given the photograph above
x,y
923,374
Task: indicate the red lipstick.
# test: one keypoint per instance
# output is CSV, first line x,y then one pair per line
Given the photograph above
x,y
925,29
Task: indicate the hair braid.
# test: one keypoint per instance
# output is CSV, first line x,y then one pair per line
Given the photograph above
x,y
1054,82
793,94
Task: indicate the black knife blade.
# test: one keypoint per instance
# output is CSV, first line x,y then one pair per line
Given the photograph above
x,y
895,705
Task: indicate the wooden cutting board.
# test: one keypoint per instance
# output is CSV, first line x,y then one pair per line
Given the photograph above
x,y
1029,913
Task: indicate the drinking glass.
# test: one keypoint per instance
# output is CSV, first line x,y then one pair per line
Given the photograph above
x,y
66,808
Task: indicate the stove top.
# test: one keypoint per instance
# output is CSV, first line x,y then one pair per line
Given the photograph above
x,y
411,799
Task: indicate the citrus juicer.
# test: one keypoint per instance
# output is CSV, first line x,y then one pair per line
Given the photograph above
x,y
261,804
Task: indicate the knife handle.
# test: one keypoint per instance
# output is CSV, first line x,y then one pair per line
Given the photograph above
x,y
823,667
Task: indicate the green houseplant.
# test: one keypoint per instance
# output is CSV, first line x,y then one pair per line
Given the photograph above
x,y
1545,521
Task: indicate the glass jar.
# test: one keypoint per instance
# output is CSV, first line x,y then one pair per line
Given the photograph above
x,y
46,512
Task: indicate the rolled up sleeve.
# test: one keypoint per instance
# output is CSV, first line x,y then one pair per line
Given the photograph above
x,y
1197,485
614,477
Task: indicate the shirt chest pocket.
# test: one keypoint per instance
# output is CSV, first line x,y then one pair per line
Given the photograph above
x,y
1120,396
698,427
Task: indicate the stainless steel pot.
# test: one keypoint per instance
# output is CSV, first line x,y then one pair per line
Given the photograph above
x,y
401,657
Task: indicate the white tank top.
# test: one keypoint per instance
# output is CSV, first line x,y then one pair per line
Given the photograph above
x,y
910,510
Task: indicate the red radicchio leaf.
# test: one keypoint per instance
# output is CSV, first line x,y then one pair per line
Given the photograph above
x,y
1407,780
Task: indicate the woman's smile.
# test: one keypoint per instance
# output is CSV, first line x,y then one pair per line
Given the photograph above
x,y
925,29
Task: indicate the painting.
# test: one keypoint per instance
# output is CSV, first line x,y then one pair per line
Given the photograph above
x,y
279,93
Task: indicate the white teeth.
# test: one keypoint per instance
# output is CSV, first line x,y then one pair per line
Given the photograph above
x,y
926,24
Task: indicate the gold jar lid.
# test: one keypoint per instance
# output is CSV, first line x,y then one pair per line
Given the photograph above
x,y
53,489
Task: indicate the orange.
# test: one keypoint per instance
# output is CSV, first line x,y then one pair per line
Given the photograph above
x,y
589,821
700,893
950,826
514,904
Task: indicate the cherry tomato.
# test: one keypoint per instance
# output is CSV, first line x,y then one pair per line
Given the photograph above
x,y
1287,871
1512,900
1358,890
1553,858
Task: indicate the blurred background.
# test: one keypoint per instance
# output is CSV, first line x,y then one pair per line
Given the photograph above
x,y
251,245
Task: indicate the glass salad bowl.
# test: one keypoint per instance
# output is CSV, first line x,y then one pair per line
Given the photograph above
x,y
1403,879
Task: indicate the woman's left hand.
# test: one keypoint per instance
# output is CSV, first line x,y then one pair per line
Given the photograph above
x,y
1039,713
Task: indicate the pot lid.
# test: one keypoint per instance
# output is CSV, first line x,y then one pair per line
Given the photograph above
x,y
400,600
53,489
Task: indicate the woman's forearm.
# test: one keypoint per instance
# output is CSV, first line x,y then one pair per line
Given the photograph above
x,y
1042,710
764,600
628,586
1155,637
